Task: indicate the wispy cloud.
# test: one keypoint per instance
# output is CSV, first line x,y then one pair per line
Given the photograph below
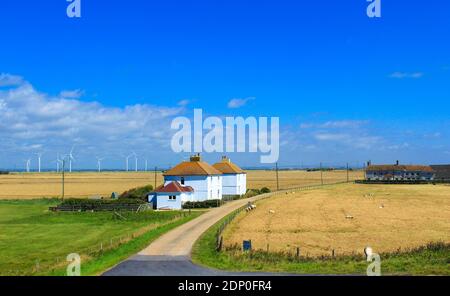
x,y
405,75
184,103
72,94
30,119
238,103
10,80
335,124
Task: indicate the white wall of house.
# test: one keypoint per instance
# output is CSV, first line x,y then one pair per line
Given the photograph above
x,y
400,175
167,200
234,184
205,187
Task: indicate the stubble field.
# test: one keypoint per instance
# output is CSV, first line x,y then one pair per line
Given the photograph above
x,y
83,185
346,218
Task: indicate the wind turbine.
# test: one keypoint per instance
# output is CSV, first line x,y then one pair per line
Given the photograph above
x,y
99,164
57,161
127,158
39,155
71,158
135,161
28,165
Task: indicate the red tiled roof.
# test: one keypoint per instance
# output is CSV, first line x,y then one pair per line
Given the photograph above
x,y
227,167
174,187
192,168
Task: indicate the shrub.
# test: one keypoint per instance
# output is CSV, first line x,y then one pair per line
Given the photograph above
x,y
252,192
95,202
137,193
264,190
213,203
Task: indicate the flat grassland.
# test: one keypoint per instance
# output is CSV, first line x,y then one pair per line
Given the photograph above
x,y
83,185
385,217
34,241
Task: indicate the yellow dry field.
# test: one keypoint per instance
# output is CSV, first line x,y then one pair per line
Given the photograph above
x,y
293,179
83,185
385,217
79,185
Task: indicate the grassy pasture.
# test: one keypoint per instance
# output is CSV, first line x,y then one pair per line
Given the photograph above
x,y
82,185
385,217
36,241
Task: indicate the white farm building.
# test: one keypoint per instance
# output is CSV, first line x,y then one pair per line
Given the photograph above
x,y
196,180
234,179
202,177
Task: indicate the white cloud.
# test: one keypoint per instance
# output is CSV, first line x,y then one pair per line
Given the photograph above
x,y
184,103
10,80
331,137
238,103
30,119
403,75
344,124
72,94
336,124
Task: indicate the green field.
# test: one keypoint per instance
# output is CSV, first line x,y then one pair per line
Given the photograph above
x,y
34,241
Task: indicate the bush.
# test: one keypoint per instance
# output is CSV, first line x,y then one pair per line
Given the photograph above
x,y
213,203
98,202
264,190
137,193
251,193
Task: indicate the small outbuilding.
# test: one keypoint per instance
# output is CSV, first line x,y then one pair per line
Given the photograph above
x,y
171,196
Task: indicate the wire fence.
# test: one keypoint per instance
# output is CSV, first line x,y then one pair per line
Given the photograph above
x,y
59,263
231,217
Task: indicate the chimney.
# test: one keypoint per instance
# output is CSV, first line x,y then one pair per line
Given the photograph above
x,y
225,159
196,157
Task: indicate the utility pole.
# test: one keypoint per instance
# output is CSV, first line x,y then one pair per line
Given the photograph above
x,y
321,174
156,169
63,167
278,182
348,180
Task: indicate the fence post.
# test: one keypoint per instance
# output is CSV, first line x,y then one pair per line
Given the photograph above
x,y
298,252
219,247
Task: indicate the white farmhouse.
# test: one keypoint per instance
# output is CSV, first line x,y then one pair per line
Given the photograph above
x,y
234,179
202,177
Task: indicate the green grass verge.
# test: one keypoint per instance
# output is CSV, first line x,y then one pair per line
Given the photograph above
x,y
112,257
34,241
433,259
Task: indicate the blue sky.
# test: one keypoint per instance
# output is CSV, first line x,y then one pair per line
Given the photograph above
x,y
347,88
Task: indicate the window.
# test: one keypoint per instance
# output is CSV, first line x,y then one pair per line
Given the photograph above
x,y
182,180
172,197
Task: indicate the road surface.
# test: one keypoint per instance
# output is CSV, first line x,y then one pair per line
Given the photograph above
x,y
171,253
